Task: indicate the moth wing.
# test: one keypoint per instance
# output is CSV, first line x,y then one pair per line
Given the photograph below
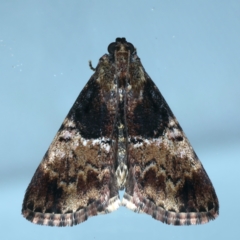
x,y
166,178
76,179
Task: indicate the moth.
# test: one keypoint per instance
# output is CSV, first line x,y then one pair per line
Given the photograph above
x,y
120,134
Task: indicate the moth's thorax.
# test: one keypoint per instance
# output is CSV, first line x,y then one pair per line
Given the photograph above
x,y
122,65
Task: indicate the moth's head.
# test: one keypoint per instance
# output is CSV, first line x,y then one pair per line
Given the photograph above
x,y
121,45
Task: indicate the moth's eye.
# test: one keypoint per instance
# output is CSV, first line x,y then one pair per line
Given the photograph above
x,y
130,47
112,47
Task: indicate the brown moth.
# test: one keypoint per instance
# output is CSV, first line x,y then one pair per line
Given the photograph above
x,y
120,133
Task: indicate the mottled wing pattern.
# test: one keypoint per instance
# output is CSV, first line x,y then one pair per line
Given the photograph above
x,y
120,133
165,177
76,178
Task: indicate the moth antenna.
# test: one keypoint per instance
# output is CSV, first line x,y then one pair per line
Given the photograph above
x,y
90,65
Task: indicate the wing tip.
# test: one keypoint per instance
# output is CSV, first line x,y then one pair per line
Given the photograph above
x,y
169,217
70,219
